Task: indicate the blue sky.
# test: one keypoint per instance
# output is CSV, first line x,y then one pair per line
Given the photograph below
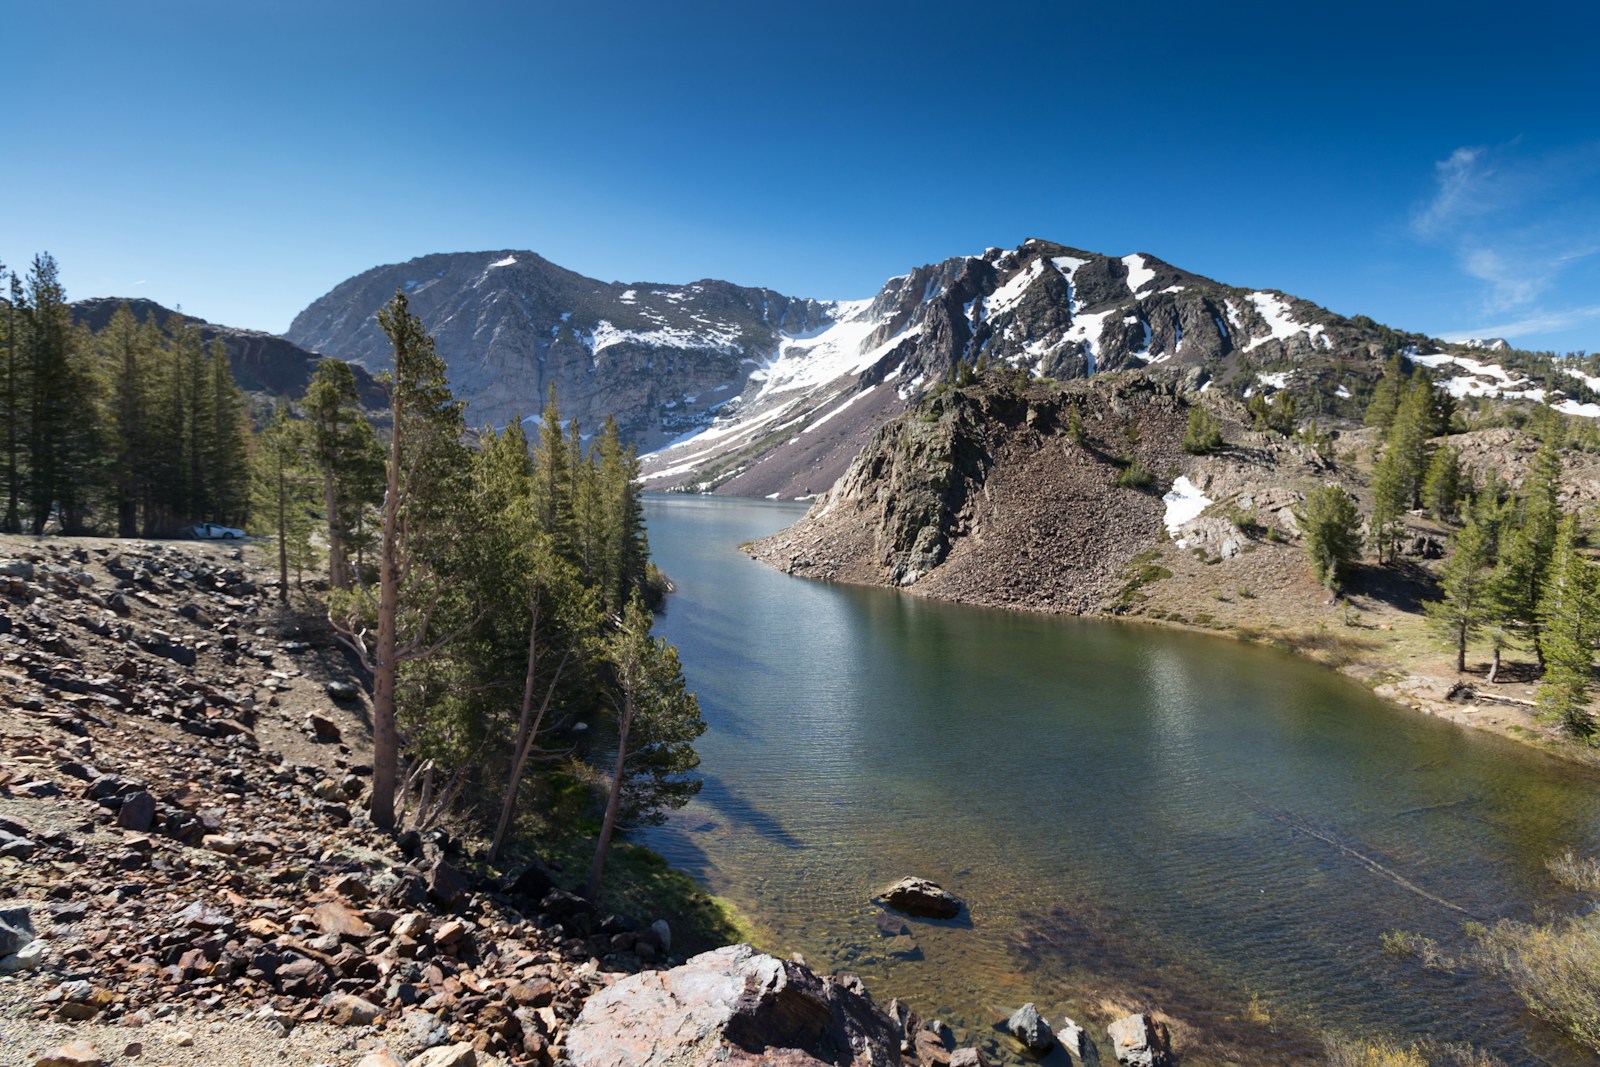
x,y
1439,172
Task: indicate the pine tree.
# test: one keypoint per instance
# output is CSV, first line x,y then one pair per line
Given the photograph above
x,y
553,477
1332,529
126,351
1441,486
1203,435
657,722
13,391
1385,401
1467,584
344,450
1569,614
280,498
426,461
54,391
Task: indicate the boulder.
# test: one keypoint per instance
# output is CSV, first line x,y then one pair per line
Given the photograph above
x,y
1075,1039
1029,1027
1140,1041
347,1009
344,692
967,1057
462,1055
16,928
920,897
734,1006
75,1054
322,728
446,885
138,812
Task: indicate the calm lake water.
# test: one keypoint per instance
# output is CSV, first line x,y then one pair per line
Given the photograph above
x,y
1136,817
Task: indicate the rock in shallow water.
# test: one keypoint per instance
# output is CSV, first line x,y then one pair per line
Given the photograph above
x,y
920,897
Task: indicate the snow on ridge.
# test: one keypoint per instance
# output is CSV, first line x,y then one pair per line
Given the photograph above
x,y
507,262
1086,330
1276,381
1068,266
605,335
1280,321
1007,296
1139,272
1473,381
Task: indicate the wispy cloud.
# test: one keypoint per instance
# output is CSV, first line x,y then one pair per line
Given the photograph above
x,y
1542,322
1515,222
136,284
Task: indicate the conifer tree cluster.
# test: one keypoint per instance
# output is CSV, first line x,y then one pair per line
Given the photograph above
x,y
136,429
503,605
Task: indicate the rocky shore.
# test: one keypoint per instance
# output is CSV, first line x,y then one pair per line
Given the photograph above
x,y
187,878
1014,495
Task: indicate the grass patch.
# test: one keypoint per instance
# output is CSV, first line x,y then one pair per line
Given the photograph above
x,y
1555,969
1576,872
1140,571
640,884
1367,1052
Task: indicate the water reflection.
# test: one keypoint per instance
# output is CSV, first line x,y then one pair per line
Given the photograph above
x,y
1133,815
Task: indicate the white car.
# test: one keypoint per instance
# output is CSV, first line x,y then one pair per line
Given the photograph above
x,y
210,531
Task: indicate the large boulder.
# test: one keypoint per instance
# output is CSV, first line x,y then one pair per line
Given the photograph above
x,y
1140,1041
16,928
733,1006
920,897
1029,1027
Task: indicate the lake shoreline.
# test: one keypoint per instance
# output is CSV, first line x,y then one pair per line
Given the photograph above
x,y
1388,654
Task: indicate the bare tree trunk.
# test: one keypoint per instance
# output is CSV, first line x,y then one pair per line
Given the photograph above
x,y
283,536
613,802
525,731
1494,665
338,572
1461,648
385,734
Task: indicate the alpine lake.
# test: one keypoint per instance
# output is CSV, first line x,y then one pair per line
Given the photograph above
x,y
1135,817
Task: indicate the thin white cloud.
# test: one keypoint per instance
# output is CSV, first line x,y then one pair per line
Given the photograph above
x,y
136,284
1538,323
1515,222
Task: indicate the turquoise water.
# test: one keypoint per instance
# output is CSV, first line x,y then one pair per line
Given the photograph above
x,y
1136,817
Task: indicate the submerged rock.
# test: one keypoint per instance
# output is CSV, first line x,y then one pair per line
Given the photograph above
x,y
918,896
732,1006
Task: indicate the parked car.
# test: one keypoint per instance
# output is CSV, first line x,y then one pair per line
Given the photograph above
x,y
210,531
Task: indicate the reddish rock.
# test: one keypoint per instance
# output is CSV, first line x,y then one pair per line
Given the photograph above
x,y
335,918
75,1054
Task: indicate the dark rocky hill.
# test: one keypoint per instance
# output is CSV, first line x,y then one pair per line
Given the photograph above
x,y
511,325
261,362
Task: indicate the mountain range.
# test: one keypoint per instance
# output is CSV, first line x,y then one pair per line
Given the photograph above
x,y
747,391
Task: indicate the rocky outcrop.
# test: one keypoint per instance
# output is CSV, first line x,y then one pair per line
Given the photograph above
x,y
920,897
735,1006
1002,493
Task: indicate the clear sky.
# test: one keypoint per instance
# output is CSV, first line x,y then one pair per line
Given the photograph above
x,y
1434,166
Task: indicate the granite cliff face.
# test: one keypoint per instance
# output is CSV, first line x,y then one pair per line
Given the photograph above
x,y
261,362
511,325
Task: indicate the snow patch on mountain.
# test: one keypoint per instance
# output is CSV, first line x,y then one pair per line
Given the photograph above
x,y
509,261
1139,272
1007,296
1184,503
1280,321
